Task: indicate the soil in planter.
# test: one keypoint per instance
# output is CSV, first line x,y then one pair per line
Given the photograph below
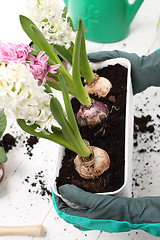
x,y
109,136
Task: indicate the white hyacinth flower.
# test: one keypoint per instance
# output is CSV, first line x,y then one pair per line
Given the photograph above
x,y
47,15
21,97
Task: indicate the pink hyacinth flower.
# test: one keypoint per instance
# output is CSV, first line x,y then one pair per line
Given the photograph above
x,y
21,52
50,69
8,53
40,68
14,52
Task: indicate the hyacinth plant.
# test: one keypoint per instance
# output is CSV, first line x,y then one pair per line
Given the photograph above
x,y
38,111
91,112
28,98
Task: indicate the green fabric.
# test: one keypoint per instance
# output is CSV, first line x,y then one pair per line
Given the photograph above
x,y
140,213
145,70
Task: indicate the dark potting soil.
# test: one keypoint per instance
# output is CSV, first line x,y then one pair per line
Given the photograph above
x,y
143,125
140,124
38,185
109,136
8,142
31,141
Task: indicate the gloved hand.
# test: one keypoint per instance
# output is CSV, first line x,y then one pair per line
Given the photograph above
x,y
145,70
108,213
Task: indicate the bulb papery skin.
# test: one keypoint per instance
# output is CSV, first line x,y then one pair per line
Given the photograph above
x,y
90,116
100,86
93,166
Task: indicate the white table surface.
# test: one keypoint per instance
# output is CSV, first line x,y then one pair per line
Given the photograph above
x,y
23,204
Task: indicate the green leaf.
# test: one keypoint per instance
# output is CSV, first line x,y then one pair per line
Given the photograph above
x,y
56,136
73,131
47,88
59,116
53,76
68,106
72,120
3,122
58,113
69,135
85,68
66,54
69,20
26,24
64,12
83,96
54,85
45,46
36,49
38,39
3,157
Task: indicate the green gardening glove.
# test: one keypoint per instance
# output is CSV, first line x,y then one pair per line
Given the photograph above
x,y
145,70
108,213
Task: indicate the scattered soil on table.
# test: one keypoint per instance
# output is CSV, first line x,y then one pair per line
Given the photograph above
x,y
31,141
38,185
142,125
109,136
8,142
146,143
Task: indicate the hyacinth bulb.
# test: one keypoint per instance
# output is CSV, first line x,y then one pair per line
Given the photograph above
x,y
100,86
92,115
93,166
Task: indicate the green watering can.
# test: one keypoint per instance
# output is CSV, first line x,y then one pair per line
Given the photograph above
x,y
105,20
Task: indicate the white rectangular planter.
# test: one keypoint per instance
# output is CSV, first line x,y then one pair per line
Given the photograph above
x,y
125,190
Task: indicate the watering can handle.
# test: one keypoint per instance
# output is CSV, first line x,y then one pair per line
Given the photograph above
x,y
66,2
